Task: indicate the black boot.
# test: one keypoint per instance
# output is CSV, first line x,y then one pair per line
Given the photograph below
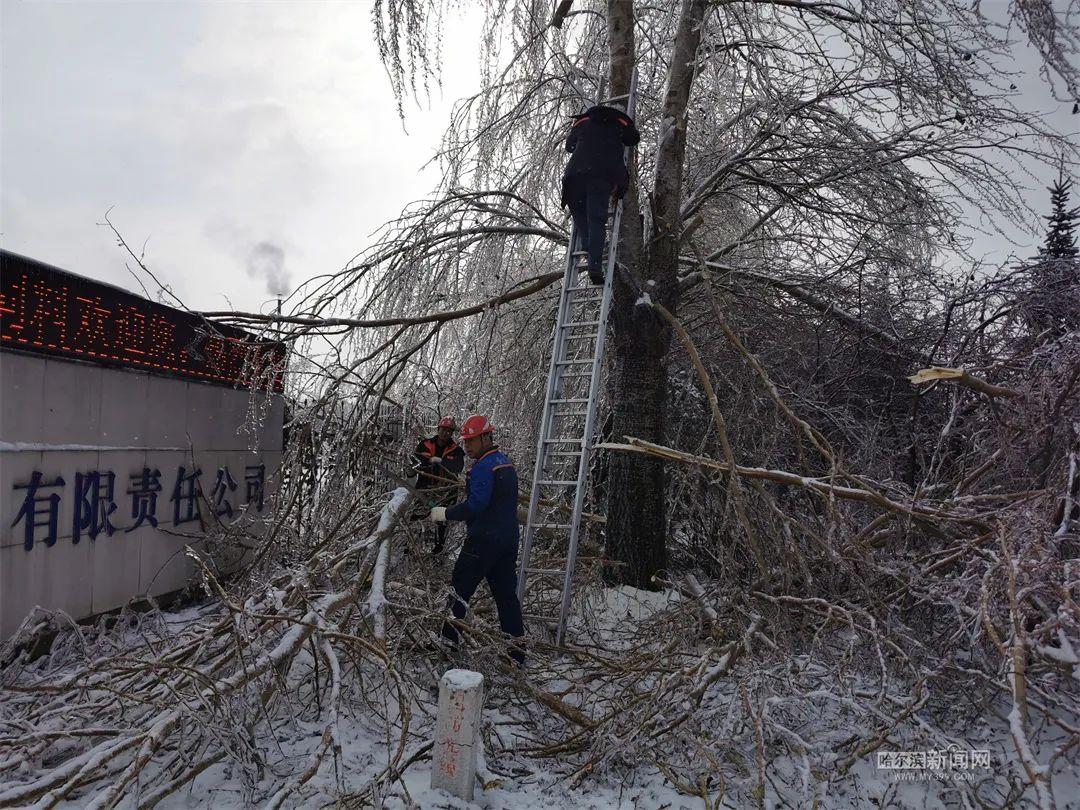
x,y
440,540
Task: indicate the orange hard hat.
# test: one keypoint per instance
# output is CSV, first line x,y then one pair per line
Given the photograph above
x,y
476,425
447,422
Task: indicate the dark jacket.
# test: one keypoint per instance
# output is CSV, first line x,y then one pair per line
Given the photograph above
x,y
490,509
453,462
596,142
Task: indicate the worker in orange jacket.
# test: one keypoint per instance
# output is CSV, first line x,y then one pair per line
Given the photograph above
x,y
438,462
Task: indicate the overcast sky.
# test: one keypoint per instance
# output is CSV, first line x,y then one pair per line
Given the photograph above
x,y
248,144
232,138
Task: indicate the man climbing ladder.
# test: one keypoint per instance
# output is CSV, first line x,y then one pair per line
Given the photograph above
x,y
595,174
565,440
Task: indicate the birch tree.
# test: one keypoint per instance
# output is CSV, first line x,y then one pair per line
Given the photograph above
x,y
792,150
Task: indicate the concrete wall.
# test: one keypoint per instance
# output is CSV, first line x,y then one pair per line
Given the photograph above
x,y
62,418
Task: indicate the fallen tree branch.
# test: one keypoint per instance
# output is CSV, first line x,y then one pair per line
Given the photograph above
x,y
961,377
634,445
377,599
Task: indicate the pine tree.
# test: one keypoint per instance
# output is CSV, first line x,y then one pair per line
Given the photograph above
x,y
1051,303
1061,238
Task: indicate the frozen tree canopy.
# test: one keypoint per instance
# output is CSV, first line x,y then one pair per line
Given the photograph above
x,y
834,515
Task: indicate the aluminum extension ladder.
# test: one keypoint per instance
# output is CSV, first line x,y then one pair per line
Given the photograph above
x,y
566,431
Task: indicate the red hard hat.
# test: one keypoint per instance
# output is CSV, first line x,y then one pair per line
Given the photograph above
x,y
476,426
447,422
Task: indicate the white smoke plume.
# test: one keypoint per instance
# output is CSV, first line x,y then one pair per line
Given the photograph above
x,y
267,260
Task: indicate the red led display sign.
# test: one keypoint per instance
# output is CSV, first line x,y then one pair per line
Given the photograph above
x,y
49,311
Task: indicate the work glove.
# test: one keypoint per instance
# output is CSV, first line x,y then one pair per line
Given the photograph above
x,y
435,460
438,514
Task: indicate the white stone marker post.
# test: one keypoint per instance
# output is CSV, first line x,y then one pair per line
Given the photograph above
x,y
457,732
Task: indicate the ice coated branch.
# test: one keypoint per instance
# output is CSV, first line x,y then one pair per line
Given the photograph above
x,y
521,290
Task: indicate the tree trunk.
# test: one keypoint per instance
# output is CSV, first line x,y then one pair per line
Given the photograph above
x,y
636,517
636,536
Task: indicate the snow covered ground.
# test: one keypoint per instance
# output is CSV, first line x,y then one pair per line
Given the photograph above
x,y
510,778
363,756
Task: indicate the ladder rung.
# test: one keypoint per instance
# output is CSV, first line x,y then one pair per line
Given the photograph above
x,y
573,399
584,362
572,324
616,98
575,440
551,526
574,453
576,374
547,572
557,483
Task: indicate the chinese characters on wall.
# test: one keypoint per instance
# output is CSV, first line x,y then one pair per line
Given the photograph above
x,y
97,502
85,368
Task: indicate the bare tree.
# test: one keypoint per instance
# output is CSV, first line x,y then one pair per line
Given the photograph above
x,y
858,557
821,152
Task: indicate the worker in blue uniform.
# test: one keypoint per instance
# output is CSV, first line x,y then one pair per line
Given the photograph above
x,y
490,550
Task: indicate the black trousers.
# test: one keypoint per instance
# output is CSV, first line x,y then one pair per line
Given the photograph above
x,y
588,200
498,565
440,537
